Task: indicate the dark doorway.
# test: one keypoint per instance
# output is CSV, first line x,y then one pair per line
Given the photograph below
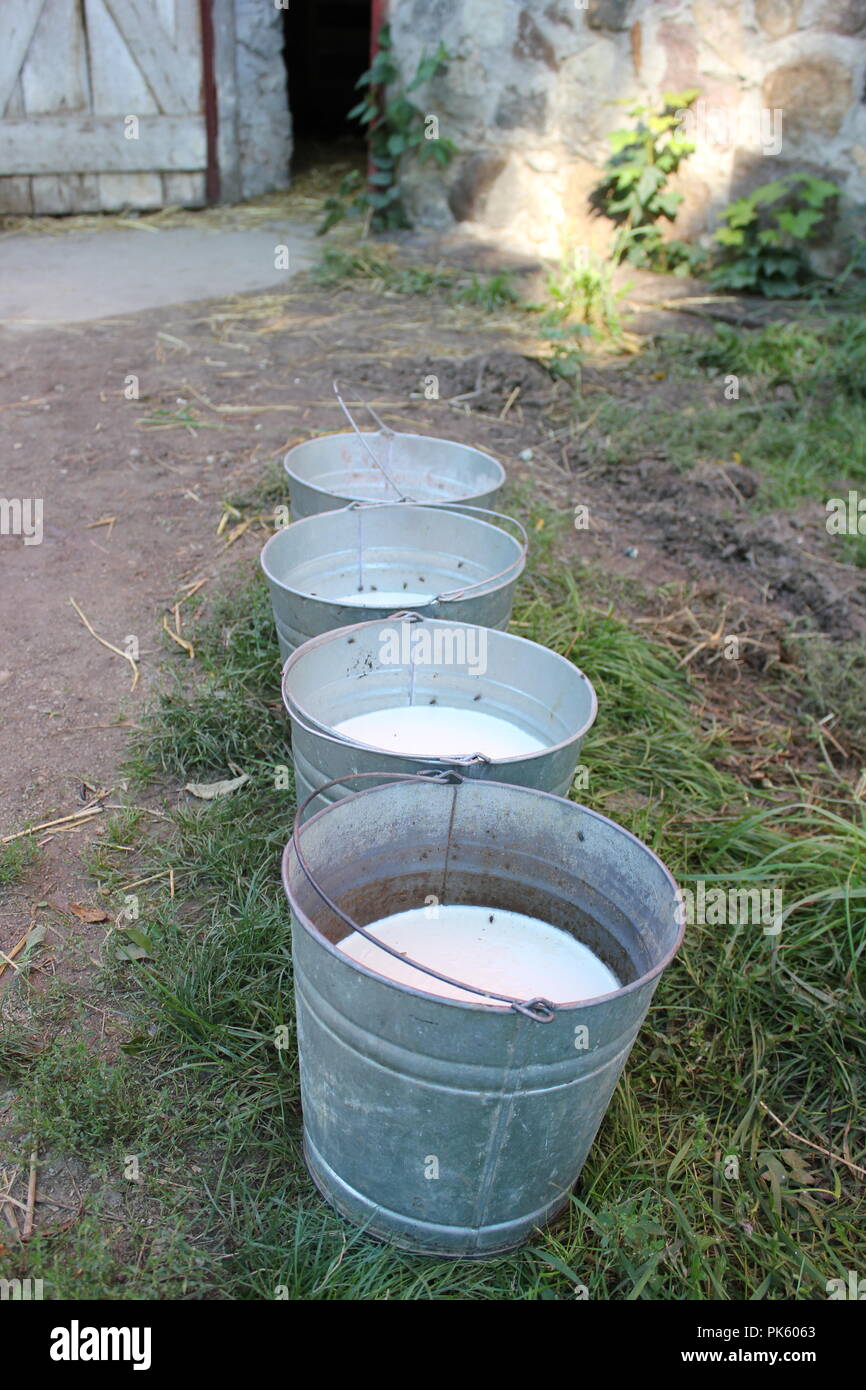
x,y
327,47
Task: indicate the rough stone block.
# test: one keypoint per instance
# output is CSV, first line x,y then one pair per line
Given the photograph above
x,y
475,177
777,17
813,93
609,14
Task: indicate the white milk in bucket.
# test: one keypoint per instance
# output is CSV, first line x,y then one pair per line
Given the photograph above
x,y
382,598
505,952
439,730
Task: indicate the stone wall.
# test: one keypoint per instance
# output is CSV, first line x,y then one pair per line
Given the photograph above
x,y
264,126
527,101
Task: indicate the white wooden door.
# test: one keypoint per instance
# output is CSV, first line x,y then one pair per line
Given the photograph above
x,y
101,105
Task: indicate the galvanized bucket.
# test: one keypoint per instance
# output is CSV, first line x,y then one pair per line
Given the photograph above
x,y
442,1126
380,665
464,561
383,466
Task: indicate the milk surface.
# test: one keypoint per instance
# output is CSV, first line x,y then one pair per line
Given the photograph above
x,y
506,952
382,598
439,729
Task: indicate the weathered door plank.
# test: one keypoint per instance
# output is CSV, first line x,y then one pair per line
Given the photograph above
x,y
166,72
19,22
96,144
54,72
71,73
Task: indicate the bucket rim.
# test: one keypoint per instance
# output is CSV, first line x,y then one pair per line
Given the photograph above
x,y
395,434
487,1008
322,639
273,542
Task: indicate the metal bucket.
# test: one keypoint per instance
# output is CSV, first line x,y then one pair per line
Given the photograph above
x,y
448,1127
350,672
462,558
382,466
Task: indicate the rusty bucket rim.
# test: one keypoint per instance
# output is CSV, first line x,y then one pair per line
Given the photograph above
x,y
396,434
504,1010
323,637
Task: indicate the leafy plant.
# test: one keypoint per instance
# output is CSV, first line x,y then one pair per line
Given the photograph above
x,y
634,191
765,237
396,127
566,355
348,201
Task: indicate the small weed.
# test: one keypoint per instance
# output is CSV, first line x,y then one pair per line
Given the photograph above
x,y
492,294
336,264
15,860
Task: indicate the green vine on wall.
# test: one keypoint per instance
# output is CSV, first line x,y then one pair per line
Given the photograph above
x,y
396,128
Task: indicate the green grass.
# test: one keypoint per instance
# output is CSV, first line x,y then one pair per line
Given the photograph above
x,y
828,352
337,265
739,1021
77,1103
797,451
490,293
15,860
235,715
799,422
831,681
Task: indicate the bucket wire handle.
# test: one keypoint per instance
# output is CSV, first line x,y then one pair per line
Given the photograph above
x,y
483,512
539,1010
385,429
516,564
359,532
443,763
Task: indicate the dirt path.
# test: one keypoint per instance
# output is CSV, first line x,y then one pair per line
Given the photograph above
x,y
66,704
129,515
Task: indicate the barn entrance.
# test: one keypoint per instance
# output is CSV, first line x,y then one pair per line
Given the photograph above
x,y
327,47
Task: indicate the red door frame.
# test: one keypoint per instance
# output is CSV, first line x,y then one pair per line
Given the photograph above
x,y
378,17
211,108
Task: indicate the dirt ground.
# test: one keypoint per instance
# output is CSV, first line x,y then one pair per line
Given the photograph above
x,y
133,493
